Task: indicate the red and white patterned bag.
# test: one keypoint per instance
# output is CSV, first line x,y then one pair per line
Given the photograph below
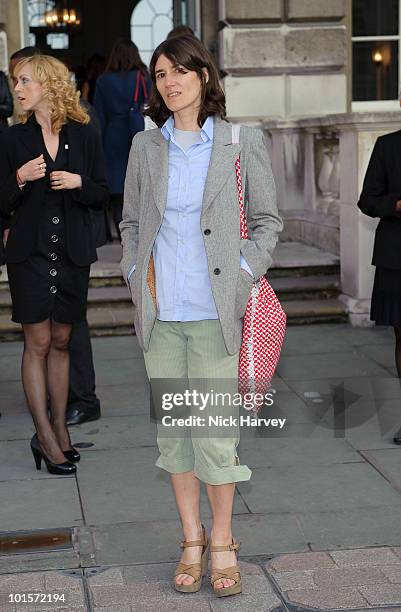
x,y
264,320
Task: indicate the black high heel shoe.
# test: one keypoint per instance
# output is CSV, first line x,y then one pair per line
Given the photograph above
x,y
72,455
60,469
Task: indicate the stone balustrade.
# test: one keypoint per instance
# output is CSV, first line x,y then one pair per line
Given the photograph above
x,y
319,166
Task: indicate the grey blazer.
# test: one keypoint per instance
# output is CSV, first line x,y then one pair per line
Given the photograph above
x,y
145,195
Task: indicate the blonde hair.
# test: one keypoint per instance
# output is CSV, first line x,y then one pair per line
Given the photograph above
x,y
59,90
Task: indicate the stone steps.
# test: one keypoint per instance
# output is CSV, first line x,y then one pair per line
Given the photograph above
x,y
117,320
306,280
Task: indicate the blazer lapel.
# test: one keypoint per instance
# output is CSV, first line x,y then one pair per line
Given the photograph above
x,y
73,144
222,161
31,137
157,158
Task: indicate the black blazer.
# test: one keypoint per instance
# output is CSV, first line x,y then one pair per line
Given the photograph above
x,y
381,190
23,142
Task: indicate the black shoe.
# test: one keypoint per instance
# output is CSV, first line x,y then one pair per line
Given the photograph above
x,y
397,437
72,455
60,469
77,415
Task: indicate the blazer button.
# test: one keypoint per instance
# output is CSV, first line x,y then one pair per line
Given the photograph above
x,y
217,271
207,232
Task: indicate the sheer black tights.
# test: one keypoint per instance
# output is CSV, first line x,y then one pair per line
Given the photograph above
x,y
45,370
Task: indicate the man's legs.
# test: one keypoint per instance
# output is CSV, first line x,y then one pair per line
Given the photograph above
x,y
83,405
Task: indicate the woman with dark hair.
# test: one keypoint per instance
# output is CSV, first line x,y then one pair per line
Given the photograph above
x,y
181,234
120,92
95,68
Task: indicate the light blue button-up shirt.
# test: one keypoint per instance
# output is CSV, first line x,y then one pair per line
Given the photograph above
x,y
183,287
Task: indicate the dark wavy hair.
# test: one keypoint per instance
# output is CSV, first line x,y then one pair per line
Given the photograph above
x,y
189,52
125,57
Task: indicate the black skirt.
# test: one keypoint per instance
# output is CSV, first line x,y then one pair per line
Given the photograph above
x,y
48,285
385,307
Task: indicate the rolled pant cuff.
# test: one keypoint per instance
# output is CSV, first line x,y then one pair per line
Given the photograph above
x,y
175,465
223,475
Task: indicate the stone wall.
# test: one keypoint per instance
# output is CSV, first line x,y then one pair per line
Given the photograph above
x,y
283,58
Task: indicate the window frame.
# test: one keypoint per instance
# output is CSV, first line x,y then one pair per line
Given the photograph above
x,y
379,105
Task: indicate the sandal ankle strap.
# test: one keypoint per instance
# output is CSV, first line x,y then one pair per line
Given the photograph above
x,y
202,542
232,546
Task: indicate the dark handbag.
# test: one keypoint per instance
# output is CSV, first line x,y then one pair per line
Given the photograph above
x,y
6,98
136,121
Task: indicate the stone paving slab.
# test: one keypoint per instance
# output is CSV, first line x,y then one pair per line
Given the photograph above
x,y
11,348
283,452
123,347
39,504
34,562
389,461
10,368
372,388
121,371
114,488
352,527
109,433
152,585
338,580
62,583
16,427
124,400
300,340
16,460
332,487
138,543
382,354
12,400
344,365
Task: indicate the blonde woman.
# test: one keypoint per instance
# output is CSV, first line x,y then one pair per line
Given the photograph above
x,y
51,173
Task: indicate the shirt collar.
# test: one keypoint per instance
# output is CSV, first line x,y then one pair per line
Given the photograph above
x,y
206,132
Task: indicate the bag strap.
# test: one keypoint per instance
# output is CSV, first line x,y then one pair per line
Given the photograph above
x,y
136,93
140,81
235,132
145,89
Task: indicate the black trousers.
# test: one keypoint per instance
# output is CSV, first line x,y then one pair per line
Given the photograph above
x,y
82,393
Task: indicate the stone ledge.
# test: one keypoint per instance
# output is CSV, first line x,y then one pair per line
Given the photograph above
x,y
316,9
318,47
252,10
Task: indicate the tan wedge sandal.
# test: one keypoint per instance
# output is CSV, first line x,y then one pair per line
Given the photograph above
x,y
230,573
196,570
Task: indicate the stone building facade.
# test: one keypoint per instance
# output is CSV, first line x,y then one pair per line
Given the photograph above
x,y
287,67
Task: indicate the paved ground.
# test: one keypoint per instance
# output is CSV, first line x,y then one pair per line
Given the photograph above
x,y
320,520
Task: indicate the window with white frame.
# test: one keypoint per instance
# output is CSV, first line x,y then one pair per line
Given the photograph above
x,y
151,21
375,54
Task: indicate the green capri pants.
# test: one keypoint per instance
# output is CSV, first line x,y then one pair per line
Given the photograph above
x,y
195,350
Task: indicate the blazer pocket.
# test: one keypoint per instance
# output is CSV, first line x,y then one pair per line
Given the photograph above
x,y
244,287
132,286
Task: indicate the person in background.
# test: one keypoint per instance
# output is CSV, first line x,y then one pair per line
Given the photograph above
x,y
180,30
83,404
119,114
6,101
51,173
381,198
95,67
